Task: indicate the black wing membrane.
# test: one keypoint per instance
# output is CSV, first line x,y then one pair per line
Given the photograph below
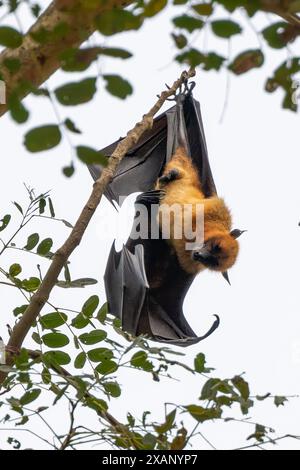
x,y
145,285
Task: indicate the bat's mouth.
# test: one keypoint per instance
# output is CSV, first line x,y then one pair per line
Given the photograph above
x,y
204,257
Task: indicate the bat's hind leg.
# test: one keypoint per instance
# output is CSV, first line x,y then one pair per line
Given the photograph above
x,y
170,176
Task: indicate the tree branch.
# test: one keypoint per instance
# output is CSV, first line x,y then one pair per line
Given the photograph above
x,y
60,258
39,60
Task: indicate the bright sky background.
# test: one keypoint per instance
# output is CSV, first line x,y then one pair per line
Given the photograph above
x,y
254,155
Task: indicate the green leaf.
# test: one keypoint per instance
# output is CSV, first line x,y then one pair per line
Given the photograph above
x,y
213,61
225,28
51,207
168,424
30,396
140,360
17,109
45,246
18,207
212,387
73,94
10,37
117,86
204,414
242,386
80,360
42,138
91,156
199,364
36,338
42,205
117,20
102,314
71,126
68,171
107,367
190,23
193,57
246,61
95,336
180,40
154,6
280,401
58,357
204,9
19,310
32,241
55,340
274,35
116,52
259,434
113,388
80,321
4,222
31,284
90,305
53,320
100,354
77,283
15,269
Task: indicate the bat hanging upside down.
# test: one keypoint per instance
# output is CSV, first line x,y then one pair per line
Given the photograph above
x,y
219,248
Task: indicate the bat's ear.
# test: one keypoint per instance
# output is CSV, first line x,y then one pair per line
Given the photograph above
x,y
226,276
236,233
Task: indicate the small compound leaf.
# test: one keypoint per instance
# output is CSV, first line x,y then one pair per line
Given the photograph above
x,y
246,61
153,7
115,21
95,336
107,367
100,354
45,246
32,241
80,360
55,340
91,156
53,320
73,94
113,389
57,357
90,305
225,28
30,396
190,23
70,125
4,222
280,401
117,86
15,269
10,37
204,414
42,138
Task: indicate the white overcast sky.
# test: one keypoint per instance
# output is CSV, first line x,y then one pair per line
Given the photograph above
x,y
254,155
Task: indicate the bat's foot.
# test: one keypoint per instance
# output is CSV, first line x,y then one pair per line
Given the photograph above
x,y
172,175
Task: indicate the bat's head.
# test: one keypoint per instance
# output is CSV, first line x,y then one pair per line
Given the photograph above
x,y
219,251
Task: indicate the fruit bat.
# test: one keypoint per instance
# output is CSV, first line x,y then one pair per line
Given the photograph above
x,y
145,284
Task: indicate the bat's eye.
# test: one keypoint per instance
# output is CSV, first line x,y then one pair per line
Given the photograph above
x,y
216,249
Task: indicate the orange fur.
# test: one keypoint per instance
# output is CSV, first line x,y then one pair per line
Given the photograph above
x,y
186,189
